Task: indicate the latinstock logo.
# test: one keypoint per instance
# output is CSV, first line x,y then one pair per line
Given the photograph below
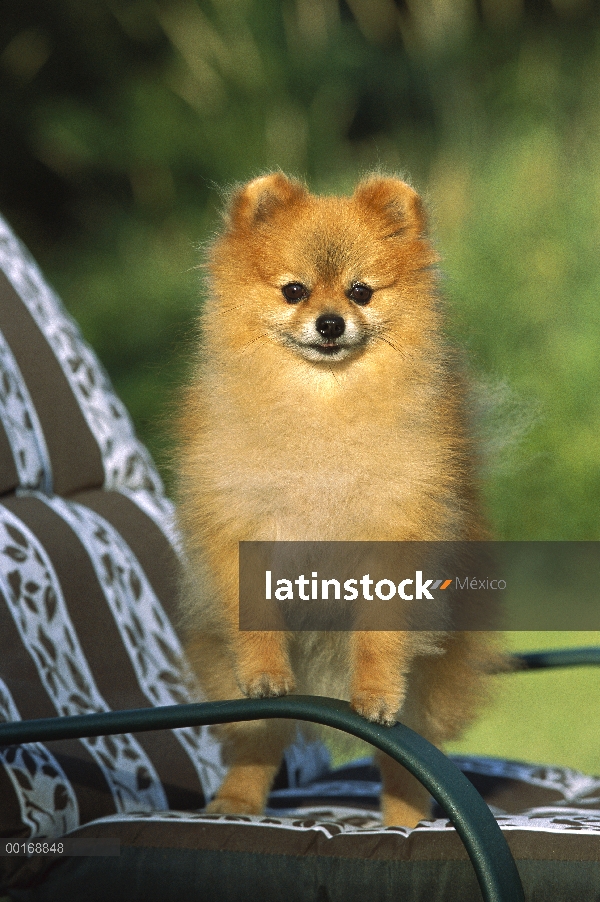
x,y
384,589
365,585
535,585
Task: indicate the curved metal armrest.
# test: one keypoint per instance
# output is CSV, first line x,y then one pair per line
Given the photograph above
x,y
487,848
489,853
562,657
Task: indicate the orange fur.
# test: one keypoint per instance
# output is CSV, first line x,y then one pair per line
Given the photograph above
x,y
288,433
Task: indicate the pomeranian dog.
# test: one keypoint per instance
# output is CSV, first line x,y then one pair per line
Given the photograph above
x,y
325,405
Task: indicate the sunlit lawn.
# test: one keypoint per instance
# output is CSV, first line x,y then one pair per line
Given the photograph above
x,y
546,717
542,717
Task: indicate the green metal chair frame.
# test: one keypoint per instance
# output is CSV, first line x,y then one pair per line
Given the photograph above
x,y
485,844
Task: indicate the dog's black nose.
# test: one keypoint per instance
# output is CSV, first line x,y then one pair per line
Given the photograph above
x,y
330,325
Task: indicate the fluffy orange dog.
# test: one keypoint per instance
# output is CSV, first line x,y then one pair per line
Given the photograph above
x,y
324,407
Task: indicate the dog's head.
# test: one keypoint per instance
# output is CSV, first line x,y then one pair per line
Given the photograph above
x,y
324,277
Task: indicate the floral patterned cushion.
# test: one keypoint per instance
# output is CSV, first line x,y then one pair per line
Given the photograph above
x,y
62,428
88,573
322,839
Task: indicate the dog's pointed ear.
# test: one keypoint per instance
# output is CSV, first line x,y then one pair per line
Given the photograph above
x,y
258,200
396,201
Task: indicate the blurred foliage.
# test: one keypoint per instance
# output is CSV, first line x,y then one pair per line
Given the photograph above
x,y
122,119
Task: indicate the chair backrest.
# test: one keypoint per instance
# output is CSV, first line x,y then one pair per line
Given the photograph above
x,y
88,579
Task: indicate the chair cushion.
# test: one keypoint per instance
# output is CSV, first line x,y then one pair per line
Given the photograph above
x,y
63,429
85,625
88,580
331,846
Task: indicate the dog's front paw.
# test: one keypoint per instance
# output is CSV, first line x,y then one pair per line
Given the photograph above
x,y
376,708
267,685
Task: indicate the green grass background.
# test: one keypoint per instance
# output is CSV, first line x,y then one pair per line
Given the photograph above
x,y
122,119
545,716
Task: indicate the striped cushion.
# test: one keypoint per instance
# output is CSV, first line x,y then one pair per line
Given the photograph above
x,y
333,847
86,628
88,573
63,428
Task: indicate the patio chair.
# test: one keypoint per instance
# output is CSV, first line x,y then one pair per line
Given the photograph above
x,y
89,559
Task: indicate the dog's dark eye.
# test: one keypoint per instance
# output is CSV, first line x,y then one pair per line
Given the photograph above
x,y
294,292
360,294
